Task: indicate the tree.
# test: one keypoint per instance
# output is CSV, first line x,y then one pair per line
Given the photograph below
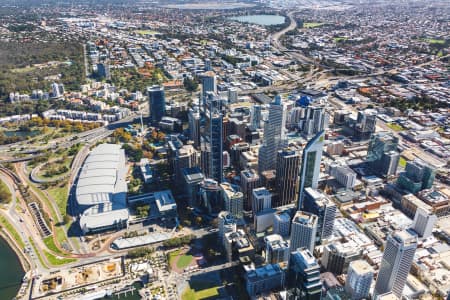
x,y
190,84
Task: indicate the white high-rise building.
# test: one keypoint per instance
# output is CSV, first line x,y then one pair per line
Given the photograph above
x,y
310,170
274,135
344,175
277,249
397,260
424,221
249,181
261,200
303,231
227,223
233,200
359,279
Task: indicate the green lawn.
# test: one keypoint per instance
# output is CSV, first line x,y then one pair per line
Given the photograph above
x,y
435,41
5,193
402,162
12,231
339,39
395,127
60,194
50,243
38,253
184,261
57,261
190,294
312,25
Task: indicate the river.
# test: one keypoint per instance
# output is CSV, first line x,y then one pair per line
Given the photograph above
x,y
11,272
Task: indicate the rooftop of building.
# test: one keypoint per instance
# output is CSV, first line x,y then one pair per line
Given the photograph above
x,y
305,218
102,177
361,267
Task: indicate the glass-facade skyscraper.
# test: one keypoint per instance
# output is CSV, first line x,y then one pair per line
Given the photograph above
x,y
157,101
310,170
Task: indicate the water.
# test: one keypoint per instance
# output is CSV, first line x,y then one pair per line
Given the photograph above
x,y
11,274
265,20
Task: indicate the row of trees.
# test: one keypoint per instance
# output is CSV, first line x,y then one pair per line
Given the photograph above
x,y
179,241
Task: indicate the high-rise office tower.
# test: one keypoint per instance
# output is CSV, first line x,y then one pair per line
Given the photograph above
x,y
277,249
359,278
314,120
249,181
256,116
396,262
262,199
337,256
157,101
418,176
288,165
209,84
281,223
232,95
365,124
210,195
310,170
303,276
424,221
381,154
233,200
185,157
303,231
208,65
194,125
212,145
319,204
274,135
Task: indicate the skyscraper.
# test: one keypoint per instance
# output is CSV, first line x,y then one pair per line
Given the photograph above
x,y
359,278
317,203
157,103
418,176
304,276
212,144
365,124
185,157
381,154
288,164
396,262
274,135
256,116
281,223
194,125
249,181
314,120
262,199
424,221
209,84
310,170
303,231
227,223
